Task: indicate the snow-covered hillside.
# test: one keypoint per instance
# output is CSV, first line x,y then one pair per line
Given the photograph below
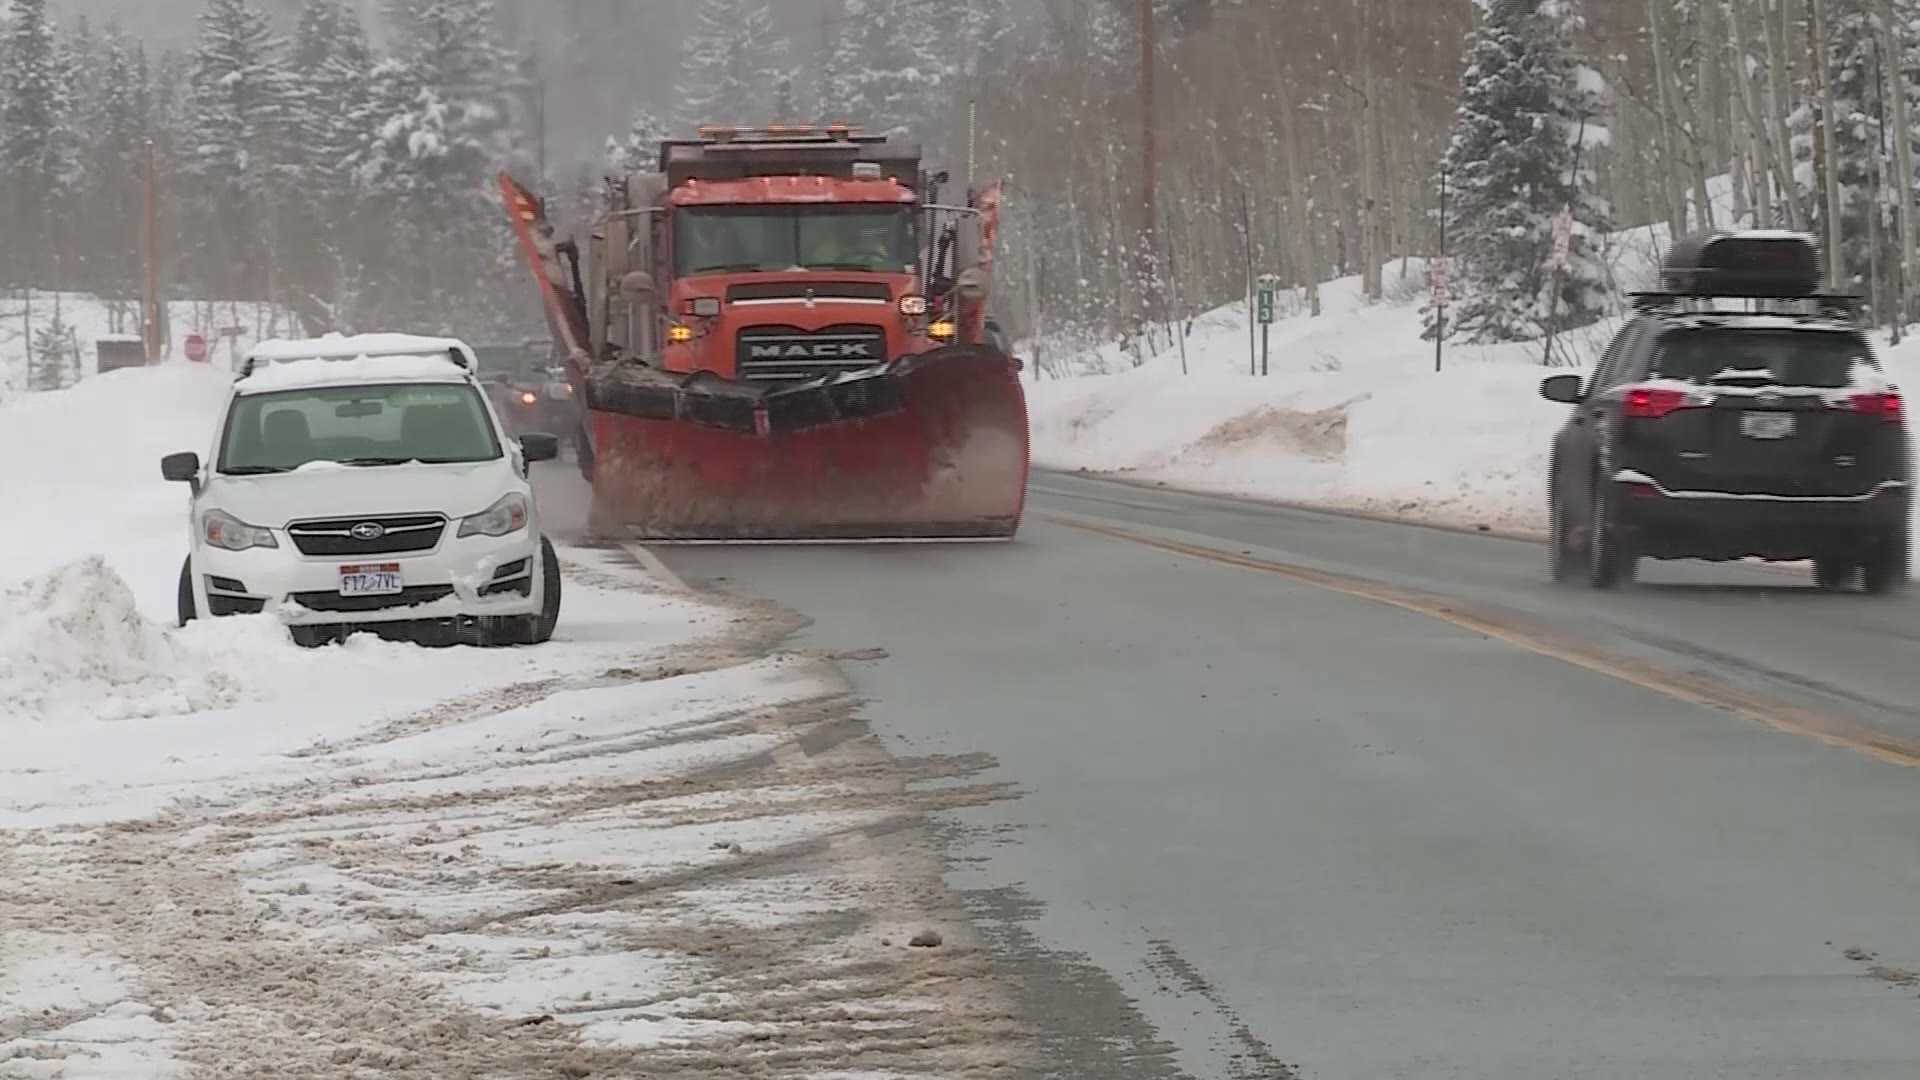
x,y
1353,415
89,319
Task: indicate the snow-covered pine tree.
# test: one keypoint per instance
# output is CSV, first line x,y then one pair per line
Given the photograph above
x,y
888,70
440,119
52,358
1526,109
639,149
237,122
328,102
731,67
36,140
112,162
1861,145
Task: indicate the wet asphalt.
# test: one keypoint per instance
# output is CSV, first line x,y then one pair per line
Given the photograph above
x,y
1266,828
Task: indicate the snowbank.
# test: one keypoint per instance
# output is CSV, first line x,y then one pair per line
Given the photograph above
x,y
73,646
83,475
1353,415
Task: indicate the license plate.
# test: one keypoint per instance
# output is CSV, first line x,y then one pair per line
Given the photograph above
x,y
1767,425
372,579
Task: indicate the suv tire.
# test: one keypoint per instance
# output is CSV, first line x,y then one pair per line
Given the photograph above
x,y
1835,574
1561,562
535,629
1885,569
184,604
1608,561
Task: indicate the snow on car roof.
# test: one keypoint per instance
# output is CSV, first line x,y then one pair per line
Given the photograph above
x,y
356,371
345,347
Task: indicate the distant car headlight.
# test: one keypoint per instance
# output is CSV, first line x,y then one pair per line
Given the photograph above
x,y
528,397
223,530
503,518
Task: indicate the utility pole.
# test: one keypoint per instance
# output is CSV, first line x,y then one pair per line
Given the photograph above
x,y
1149,196
151,301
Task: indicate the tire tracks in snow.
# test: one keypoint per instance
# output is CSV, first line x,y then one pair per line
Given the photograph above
x,y
732,892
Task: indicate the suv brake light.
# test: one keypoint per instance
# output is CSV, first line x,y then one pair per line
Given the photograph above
x,y
1887,406
1654,402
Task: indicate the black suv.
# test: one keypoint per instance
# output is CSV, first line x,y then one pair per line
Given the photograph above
x,y
1739,414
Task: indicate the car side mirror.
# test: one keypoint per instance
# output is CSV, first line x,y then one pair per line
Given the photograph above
x,y
181,468
538,446
1564,389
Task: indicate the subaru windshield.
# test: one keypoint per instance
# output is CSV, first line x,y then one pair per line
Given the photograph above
x,y
431,423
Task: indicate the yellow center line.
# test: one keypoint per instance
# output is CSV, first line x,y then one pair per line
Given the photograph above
x,y
1690,688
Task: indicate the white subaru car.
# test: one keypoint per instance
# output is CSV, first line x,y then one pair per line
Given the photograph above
x,y
366,483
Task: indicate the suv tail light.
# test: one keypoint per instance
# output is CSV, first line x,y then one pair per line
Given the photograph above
x,y
1654,402
1887,406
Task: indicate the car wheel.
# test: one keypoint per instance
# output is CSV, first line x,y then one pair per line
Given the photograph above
x,y
549,618
1608,562
1835,574
185,603
1560,561
1885,571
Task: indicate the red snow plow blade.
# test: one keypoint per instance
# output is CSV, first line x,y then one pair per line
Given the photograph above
x,y
929,447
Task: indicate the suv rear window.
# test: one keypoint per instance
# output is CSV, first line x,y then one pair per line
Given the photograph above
x,y
1762,357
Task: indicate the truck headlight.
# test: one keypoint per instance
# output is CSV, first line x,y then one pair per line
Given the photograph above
x,y
503,518
223,530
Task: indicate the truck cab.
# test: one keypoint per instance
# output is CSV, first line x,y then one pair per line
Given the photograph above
x,y
779,255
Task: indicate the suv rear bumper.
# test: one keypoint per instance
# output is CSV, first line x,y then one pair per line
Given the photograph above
x,y
1665,524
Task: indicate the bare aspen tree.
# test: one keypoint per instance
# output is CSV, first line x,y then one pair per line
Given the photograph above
x,y
1894,48
1298,192
1669,142
1369,207
1773,27
1817,28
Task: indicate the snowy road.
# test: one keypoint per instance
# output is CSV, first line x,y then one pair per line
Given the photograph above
x,y
1305,794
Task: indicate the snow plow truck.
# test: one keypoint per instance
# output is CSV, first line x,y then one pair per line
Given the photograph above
x,y
782,334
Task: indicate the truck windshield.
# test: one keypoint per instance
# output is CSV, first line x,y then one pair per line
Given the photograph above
x,y
433,423
1777,357
877,238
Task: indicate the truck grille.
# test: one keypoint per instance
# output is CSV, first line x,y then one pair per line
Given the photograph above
x,y
786,353
396,535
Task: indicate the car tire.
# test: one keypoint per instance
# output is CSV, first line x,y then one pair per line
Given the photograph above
x,y
549,618
1560,561
184,602
1835,574
1608,561
1885,570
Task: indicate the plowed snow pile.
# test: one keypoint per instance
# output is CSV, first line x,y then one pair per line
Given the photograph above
x,y
73,645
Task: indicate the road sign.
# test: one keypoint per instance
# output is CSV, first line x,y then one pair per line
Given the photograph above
x,y
196,348
1269,285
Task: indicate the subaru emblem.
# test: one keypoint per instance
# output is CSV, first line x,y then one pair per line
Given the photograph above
x,y
368,531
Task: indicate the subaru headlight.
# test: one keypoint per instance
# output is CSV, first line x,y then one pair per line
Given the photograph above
x,y
503,518
223,530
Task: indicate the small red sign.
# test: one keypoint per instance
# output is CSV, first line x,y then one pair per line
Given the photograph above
x,y
196,348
